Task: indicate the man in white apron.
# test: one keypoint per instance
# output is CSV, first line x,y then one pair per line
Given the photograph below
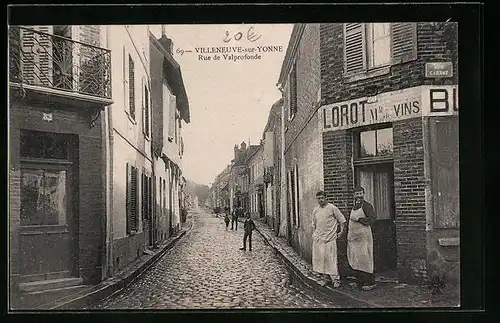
x,y
360,240
325,220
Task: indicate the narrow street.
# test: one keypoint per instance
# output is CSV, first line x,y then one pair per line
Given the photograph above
x,y
206,270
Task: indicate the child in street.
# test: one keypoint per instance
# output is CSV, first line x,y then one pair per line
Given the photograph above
x,y
248,226
226,219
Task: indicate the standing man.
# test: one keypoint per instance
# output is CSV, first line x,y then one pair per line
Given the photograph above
x,y
360,240
326,218
248,226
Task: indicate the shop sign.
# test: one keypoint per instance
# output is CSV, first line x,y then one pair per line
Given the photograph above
x,y
389,107
386,107
439,100
438,70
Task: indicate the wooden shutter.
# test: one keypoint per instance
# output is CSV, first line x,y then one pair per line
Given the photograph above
x,y
128,199
146,111
37,56
133,199
297,194
131,86
144,202
403,42
354,48
293,90
171,118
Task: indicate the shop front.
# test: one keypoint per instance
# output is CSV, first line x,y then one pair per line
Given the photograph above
x,y
384,144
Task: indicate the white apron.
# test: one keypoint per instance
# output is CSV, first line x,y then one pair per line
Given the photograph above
x,y
324,248
359,243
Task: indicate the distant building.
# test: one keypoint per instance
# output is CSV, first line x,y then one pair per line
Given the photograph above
x,y
170,114
255,165
272,163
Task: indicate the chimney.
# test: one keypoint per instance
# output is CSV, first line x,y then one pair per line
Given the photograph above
x,y
165,41
236,150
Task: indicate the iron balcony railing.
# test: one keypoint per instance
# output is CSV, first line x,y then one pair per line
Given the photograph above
x,y
43,59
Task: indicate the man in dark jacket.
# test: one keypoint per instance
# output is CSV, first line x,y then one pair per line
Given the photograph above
x,y
249,226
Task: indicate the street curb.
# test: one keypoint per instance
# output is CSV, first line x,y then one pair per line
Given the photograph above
x,y
114,284
314,285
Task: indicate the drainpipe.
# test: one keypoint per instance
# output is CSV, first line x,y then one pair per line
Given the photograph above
x,y
153,218
282,163
108,153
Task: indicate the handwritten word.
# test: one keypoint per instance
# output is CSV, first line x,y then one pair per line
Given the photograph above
x,y
251,36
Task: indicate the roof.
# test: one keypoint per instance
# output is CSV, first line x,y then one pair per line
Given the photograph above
x,y
293,44
274,114
173,75
251,150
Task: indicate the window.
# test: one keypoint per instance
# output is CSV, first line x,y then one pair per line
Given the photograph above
x,y
293,92
146,196
375,143
43,197
172,108
132,220
293,195
374,45
176,128
47,145
125,78
164,196
146,110
131,87
378,44
374,170
377,182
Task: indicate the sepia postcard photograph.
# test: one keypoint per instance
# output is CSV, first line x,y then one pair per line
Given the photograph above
x,y
234,166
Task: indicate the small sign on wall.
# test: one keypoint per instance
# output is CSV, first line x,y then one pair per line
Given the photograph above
x,y
438,70
47,117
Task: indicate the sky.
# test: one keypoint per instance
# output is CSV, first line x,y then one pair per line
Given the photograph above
x,y
229,101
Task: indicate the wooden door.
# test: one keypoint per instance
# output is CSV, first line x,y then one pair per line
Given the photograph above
x,y
47,228
378,182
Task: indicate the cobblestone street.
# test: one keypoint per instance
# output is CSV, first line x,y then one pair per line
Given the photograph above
x,y
206,270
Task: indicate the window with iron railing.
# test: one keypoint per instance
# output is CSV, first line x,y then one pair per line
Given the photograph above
x,y
48,57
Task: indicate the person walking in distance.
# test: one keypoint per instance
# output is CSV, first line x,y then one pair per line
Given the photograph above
x,y
234,219
360,240
326,218
226,220
248,226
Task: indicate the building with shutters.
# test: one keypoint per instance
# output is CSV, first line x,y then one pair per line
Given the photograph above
x,y
271,139
363,107
238,178
170,114
256,189
218,190
130,146
60,92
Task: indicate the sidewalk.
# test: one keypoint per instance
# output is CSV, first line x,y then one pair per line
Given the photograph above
x,y
387,294
89,295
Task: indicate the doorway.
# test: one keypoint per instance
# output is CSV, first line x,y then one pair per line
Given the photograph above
x,y
48,226
374,171
378,182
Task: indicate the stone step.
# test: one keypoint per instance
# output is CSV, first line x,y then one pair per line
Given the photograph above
x,y
44,285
